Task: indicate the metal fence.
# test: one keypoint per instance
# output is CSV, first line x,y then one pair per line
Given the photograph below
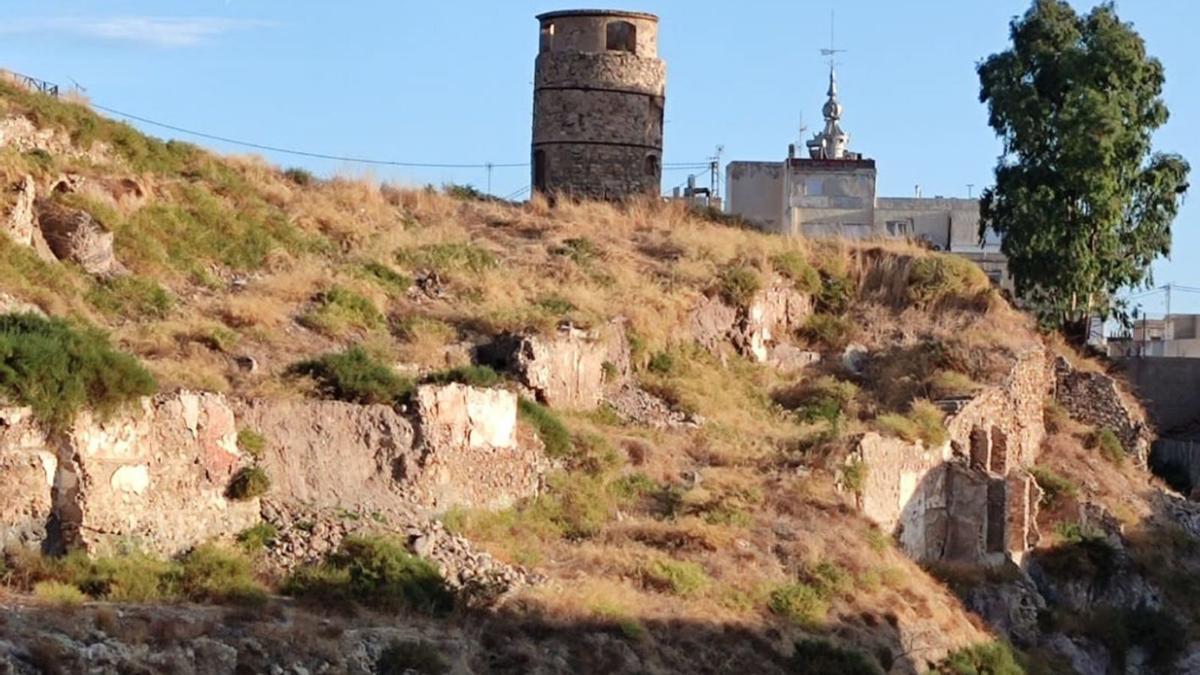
x,y
34,84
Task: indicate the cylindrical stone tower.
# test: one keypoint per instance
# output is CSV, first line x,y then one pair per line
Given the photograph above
x,y
598,96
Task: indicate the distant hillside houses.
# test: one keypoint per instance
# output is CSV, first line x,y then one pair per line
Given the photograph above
x,y
832,193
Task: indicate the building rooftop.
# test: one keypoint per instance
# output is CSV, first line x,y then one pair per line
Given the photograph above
x,y
597,12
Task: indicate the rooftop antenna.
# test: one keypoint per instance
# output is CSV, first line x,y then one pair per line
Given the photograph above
x,y
78,87
831,51
970,189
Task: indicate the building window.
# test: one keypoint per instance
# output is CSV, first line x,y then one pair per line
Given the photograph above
x,y
539,170
899,228
547,41
651,165
622,37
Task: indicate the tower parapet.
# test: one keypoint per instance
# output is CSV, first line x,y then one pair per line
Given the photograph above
x,y
598,102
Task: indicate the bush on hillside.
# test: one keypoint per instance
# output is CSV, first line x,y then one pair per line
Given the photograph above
x,y
248,483
447,257
676,577
392,281
301,177
793,266
376,572
820,657
337,310
355,377
923,422
211,573
550,429
939,277
738,285
57,369
472,375
1056,488
993,658
405,657
131,297
1108,444
830,331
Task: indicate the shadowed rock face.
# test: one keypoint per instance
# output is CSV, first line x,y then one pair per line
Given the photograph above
x,y
565,370
759,330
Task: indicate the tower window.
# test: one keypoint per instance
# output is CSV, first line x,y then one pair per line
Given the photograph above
x,y
622,37
651,165
539,170
547,40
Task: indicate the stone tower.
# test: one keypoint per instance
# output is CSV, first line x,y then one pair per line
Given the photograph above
x,y
598,96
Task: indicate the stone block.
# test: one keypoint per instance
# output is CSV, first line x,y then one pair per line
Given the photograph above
x,y
74,236
28,464
564,370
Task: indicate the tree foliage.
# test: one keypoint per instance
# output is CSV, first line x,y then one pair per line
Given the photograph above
x,y
1082,203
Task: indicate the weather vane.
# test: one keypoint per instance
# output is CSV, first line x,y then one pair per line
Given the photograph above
x,y
831,51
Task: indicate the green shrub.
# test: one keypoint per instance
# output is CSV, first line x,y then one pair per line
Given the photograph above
x,y
251,442
950,384
301,177
550,429
57,369
354,376
1054,416
837,292
474,376
937,277
828,330
738,284
447,257
465,192
1083,554
792,265
249,482
1109,445
338,310
854,476
799,603
131,297
820,657
923,422
210,573
581,250
1056,488
676,577
258,537
375,572
406,657
395,283
575,505
661,362
555,304
993,658
126,577
59,594
827,398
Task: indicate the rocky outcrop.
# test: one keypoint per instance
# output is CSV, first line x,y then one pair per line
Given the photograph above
x,y
11,305
74,236
28,465
564,370
970,499
756,330
1096,399
468,451
19,225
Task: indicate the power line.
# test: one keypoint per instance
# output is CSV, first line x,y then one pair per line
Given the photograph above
x,y
305,153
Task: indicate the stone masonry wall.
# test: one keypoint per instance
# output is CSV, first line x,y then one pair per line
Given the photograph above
x,y
565,370
1096,399
155,477
970,499
758,330
470,451
28,464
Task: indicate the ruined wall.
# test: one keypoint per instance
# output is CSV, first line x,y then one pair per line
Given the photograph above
x,y
760,329
1096,399
470,453
28,464
598,105
155,477
969,500
330,453
564,370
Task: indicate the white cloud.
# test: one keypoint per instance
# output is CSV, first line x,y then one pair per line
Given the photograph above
x,y
156,31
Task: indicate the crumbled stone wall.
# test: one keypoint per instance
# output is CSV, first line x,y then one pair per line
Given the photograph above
x,y
1096,399
155,477
19,225
761,329
330,453
565,370
969,500
74,236
28,464
470,453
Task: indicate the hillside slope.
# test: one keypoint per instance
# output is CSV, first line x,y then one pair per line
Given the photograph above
x,y
702,518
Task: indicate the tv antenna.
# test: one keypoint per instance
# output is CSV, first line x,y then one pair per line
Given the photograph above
x,y
831,51
78,87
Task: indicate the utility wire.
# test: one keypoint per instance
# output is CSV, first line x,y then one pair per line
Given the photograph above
x,y
341,158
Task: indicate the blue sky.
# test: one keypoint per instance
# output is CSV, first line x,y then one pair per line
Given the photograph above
x,y
451,82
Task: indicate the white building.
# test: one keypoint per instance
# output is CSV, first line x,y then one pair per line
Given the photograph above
x,y
832,193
